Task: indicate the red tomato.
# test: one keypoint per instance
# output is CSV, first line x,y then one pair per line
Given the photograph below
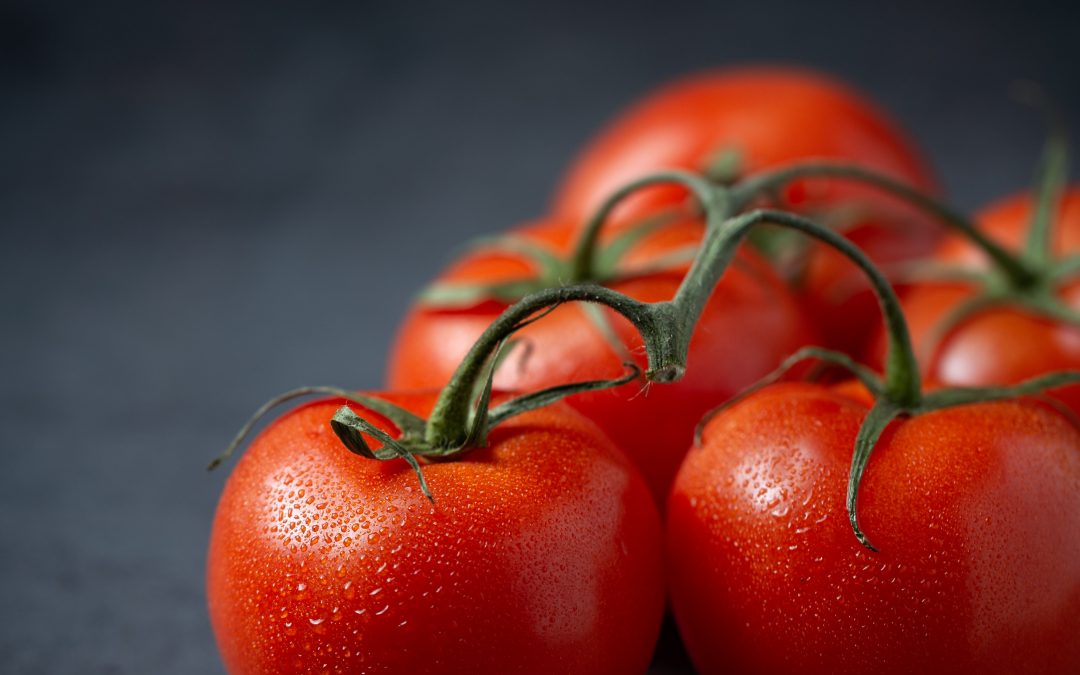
x,y
772,117
975,511
541,554
1003,345
749,325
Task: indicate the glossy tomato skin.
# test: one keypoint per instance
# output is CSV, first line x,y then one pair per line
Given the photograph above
x,y
1003,345
749,325
539,555
772,117
974,509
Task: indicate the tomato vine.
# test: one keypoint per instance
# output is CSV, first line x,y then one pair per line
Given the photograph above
x,y
461,418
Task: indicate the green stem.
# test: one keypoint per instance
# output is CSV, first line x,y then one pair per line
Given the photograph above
x,y
722,238
448,425
665,336
1050,183
881,414
1017,270
710,199
902,385
409,424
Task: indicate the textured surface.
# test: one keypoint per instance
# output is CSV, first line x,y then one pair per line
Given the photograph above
x,y
319,563
970,508
202,205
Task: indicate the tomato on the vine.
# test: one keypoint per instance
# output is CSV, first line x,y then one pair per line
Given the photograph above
x,y
540,554
1000,343
974,510
750,323
749,119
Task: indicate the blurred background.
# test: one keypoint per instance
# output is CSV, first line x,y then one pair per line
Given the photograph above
x,y
203,204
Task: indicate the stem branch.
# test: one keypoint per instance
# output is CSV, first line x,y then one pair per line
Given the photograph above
x,y
709,198
903,385
448,424
1016,269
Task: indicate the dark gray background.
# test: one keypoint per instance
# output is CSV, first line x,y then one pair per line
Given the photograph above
x,y
204,204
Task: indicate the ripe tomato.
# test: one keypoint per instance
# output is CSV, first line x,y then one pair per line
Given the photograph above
x,y
975,511
770,117
1001,345
749,325
541,554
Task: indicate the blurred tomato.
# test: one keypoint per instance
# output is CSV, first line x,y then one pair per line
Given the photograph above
x,y
749,325
1002,344
767,118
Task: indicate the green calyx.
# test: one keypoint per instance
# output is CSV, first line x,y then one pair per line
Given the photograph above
x,y
406,421
551,270
411,443
1036,292
885,410
599,265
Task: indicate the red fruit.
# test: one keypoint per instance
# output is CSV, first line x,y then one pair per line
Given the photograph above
x,y
540,554
771,117
749,325
975,511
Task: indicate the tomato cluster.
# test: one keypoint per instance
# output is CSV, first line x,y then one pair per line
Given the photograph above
x,y
466,522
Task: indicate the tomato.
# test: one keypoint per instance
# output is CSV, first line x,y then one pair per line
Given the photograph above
x,y
974,509
770,117
540,554
1000,345
749,325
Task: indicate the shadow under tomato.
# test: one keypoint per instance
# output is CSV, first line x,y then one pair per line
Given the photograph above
x,y
670,657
